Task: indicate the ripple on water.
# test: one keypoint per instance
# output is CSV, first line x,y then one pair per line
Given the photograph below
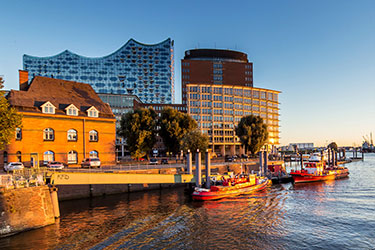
x,y
327,215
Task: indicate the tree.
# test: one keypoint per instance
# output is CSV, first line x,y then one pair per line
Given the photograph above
x,y
139,130
333,145
194,140
9,119
252,132
173,126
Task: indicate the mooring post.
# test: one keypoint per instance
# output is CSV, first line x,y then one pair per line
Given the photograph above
x,y
261,163
265,160
301,160
189,162
363,155
329,157
198,172
208,170
55,201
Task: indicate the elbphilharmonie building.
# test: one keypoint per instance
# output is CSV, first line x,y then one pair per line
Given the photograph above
x,y
144,70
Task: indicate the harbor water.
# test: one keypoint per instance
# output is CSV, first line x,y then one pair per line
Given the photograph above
x,y
328,215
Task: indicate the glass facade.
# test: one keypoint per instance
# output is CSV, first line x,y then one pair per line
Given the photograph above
x,y
146,71
120,104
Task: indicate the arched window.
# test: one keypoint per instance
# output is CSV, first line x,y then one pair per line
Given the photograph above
x,y
18,133
48,134
72,157
48,156
19,156
93,135
94,154
5,154
72,135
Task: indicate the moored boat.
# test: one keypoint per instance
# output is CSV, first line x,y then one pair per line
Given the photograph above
x,y
231,187
316,171
278,174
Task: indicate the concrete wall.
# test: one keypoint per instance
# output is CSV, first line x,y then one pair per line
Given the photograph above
x,y
24,209
69,192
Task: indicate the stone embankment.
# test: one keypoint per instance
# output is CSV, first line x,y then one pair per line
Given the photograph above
x,y
24,209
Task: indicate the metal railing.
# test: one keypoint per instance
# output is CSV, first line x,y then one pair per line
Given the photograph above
x,y
23,178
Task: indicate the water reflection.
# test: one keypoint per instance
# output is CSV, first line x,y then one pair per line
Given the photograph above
x,y
335,214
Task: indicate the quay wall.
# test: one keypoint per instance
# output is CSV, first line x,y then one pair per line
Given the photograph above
x,y
25,209
69,192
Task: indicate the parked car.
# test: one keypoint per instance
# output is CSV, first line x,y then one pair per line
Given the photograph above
x,y
91,163
164,161
153,161
230,158
243,156
14,166
55,165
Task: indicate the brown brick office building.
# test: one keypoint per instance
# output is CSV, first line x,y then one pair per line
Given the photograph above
x,y
214,66
217,87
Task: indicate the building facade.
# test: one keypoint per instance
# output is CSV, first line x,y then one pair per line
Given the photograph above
x,y
217,87
219,108
214,66
120,104
62,121
146,71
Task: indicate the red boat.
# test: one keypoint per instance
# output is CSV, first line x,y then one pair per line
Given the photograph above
x,y
232,187
316,171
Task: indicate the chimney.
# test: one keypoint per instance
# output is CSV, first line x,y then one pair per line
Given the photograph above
x,y
24,79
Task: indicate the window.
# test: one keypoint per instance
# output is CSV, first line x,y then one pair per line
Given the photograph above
x,y
72,157
48,134
18,133
72,110
5,154
93,135
48,156
72,135
94,154
48,108
19,156
93,112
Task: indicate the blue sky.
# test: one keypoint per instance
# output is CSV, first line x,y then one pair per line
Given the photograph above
x,y
320,54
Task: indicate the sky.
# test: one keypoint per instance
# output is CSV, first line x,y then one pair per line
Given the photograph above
x,y
319,54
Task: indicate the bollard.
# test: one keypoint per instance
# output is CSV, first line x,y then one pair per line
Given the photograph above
x,y
55,201
198,172
189,162
208,170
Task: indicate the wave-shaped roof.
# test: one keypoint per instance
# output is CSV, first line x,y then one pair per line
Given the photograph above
x,y
166,41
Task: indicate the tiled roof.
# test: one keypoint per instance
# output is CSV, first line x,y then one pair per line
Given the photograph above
x,y
60,93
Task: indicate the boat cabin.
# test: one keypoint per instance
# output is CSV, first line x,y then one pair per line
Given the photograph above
x,y
314,167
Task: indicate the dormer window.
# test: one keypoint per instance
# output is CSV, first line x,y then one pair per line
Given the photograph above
x,y
48,108
92,112
72,110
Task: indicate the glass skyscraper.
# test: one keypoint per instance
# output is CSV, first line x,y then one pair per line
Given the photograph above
x,y
146,71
